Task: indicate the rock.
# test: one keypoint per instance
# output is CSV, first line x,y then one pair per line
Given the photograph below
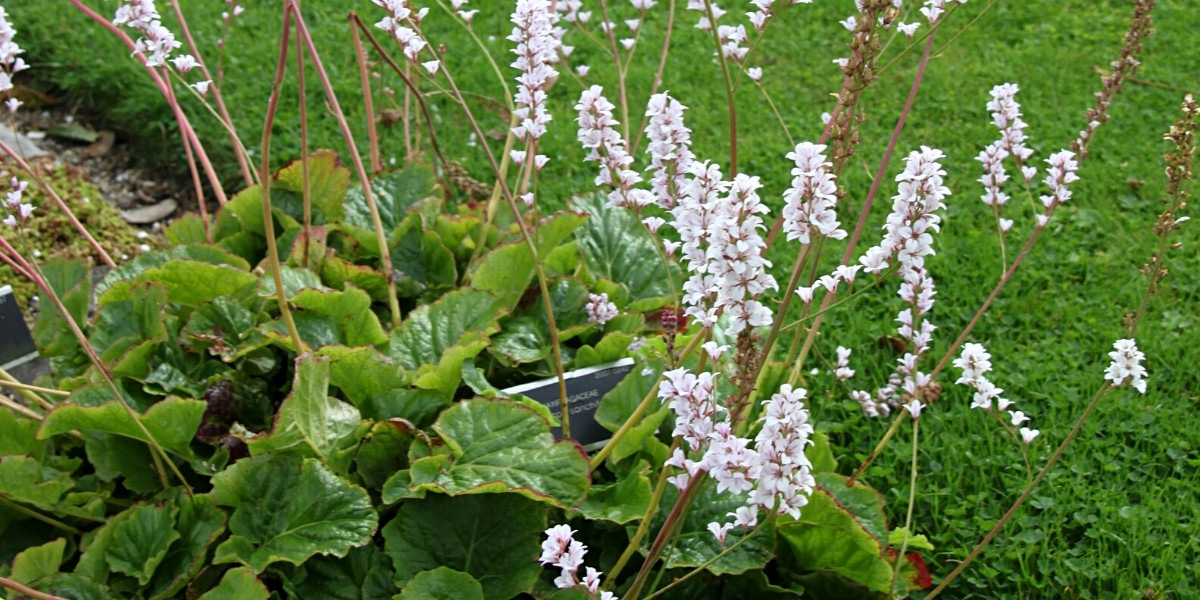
x,y
153,213
20,143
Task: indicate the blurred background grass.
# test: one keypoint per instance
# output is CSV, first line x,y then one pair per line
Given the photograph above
x,y
1119,517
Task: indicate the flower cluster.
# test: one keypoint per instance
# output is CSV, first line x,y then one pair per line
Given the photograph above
x,y
810,205
719,224
843,371
19,211
766,10
908,230
1059,175
1126,366
785,475
157,42
975,362
669,145
934,9
597,133
10,61
600,310
537,52
400,16
562,550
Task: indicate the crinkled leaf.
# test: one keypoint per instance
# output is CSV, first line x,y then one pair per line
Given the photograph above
x,y
336,273
863,501
509,268
441,583
432,329
116,456
199,524
365,573
501,446
696,545
238,584
188,282
224,327
617,246
393,194
294,280
19,436
328,182
39,562
383,451
311,421
188,229
623,501
198,253
140,539
521,340
71,282
420,261
363,372
288,508
26,480
332,317
172,422
827,538
74,587
494,538
121,325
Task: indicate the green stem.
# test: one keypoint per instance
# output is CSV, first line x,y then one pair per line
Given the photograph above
x,y
713,560
644,525
1024,495
912,501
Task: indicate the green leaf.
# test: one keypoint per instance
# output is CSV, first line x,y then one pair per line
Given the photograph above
x,y
619,404
420,261
74,587
915,541
312,421
199,524
120,325
224,327
620,502
616,246
34,564
500,446
696,545
294,280
19,436
26,480
238,584
365,573
350,310
820,454
363,372
336,273
188,282
140,539
521,340
828,539
288,508
383,451
71,282
494,538
508,269
116,456
328,182
441,583
393,194
172,422
158,258
188,229
432,329
862,500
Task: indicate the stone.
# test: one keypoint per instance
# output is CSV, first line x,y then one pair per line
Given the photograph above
x,y
20,143
144,215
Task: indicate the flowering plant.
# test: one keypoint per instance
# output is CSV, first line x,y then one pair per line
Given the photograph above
x,y
303,394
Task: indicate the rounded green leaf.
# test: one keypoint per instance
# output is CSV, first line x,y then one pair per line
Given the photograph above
x,y
494,538
238,584
288,508
441,583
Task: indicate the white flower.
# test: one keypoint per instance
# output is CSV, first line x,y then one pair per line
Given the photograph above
x,y
1028,435
432,66
600,310
754,73
719,530
1126,366
914,408
201,87
1018,418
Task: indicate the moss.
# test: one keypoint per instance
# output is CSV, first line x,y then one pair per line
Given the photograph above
x,y
49,234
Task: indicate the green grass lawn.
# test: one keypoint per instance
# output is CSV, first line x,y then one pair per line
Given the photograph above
x,y
1119,516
